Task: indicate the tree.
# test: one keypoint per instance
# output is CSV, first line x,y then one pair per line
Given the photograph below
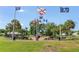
x,y
78,32
42,28
9,27
51,29
35,26
60,27
68,25
16,23
2,30
24,31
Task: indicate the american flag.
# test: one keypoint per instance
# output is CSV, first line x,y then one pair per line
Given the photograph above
x,y
45,20
64,9
17,8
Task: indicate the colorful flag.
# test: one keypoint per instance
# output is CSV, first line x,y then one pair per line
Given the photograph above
x,y
42,11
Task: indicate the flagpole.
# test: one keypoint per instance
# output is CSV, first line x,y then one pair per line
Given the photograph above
x,y
13,24
15,13
60,33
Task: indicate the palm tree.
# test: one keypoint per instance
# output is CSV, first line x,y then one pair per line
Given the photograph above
x,y
16,23
35,26
50,29
68,25
9,27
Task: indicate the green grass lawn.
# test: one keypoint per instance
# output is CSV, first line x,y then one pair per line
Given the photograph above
x,y
8,45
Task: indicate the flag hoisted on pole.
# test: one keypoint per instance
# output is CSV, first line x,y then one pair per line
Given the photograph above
x,y
16,9
41,12
64,9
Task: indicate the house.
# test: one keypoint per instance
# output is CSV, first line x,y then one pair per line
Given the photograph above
x,y
9,34
16,33
75,34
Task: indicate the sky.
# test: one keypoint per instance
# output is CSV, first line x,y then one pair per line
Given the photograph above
x,y
29,13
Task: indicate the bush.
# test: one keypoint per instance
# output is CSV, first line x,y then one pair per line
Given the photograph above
x,y
2,34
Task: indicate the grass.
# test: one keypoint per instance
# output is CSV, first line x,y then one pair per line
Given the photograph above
x,y
8,45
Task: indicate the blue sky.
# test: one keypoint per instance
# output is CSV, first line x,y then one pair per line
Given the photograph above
x,y
30,12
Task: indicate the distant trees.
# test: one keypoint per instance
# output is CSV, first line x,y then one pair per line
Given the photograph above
x,y
18,30
24,31
2,32
47,29
44,29
51,29
78,32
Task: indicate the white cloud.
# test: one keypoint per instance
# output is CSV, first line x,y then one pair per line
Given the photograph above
x,y
22,24
21,10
